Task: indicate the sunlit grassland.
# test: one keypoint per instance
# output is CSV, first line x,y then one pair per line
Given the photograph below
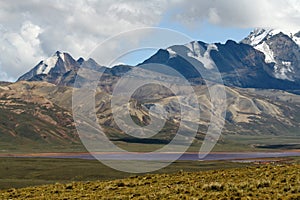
x,y
254,182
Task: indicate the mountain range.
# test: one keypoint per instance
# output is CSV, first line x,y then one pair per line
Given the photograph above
x,y
268,59
261,75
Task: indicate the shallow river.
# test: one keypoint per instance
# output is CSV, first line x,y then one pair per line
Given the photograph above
x,y
162,156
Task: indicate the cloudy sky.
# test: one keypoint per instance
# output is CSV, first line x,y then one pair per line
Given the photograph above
x,y
34,29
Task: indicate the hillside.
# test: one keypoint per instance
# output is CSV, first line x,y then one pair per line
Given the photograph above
x,y
40,113
31,121
261,182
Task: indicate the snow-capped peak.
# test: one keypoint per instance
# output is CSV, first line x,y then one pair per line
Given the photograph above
x,y
46,65
284,64
257,36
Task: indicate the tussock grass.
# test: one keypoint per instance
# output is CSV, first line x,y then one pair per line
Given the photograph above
x,y
260,182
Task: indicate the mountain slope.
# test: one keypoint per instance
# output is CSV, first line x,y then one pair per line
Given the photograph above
x,y
53,69
281,49
38,116
239,64
31,121
39,112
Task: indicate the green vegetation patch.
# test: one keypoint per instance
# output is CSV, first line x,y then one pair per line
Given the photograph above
x,y
25,172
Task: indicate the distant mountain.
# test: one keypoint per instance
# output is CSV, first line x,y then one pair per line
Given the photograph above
x,y
55,69
240,64
281,49
61,69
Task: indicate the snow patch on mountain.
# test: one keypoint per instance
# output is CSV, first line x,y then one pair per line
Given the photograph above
x,y
47,65
269,55
62,56
259,35
199,53
172,53
294,35
281,73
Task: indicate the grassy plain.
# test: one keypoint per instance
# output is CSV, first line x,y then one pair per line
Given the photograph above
x,y
254,182
22,172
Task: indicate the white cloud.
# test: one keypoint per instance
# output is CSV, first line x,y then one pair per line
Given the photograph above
x,y
240,13
213,16
19,49
33,29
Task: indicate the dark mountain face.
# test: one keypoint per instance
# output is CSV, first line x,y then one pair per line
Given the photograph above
x,y
178,63
243,66
239,64
287,57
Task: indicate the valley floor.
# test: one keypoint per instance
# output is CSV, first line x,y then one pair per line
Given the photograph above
x,y
24,172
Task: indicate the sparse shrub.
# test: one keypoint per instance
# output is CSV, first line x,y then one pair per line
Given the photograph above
x,y
69,187
213,187
263,184
120,184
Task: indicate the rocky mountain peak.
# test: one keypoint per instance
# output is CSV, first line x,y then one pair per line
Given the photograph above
x,y
281,48
52,69
259,35
80,60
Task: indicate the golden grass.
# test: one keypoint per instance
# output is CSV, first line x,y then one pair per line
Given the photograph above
x,y
261,182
